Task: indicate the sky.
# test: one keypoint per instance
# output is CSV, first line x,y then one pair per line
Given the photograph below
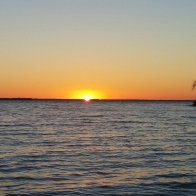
x,y
107,49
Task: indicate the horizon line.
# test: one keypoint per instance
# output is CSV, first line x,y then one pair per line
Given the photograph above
x,y
69,99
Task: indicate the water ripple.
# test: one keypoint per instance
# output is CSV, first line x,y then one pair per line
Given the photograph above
x,y
101,148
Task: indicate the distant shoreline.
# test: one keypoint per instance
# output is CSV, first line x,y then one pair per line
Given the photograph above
x,y
50,99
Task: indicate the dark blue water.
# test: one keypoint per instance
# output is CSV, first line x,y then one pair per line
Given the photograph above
x,y
98,148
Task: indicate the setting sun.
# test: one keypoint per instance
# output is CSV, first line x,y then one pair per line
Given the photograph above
x,y
87,98
86,94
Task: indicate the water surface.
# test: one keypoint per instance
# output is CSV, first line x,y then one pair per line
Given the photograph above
x,y
98,148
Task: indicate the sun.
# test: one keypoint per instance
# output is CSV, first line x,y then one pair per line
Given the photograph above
x,y
87,98
86,94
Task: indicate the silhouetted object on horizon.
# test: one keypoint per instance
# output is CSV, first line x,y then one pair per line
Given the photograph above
x,y
193,86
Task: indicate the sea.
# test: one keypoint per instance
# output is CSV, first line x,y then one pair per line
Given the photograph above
x,y
62,147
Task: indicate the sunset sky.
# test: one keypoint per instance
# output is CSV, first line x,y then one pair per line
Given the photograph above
x,y
109,49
